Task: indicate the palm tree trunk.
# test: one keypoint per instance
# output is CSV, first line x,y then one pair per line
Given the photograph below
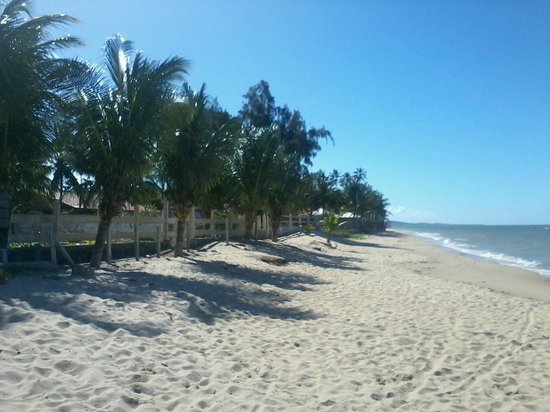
x,y
101,237
5,198
188,235
4,152
227,229
5,217
275,225
182,212
249,218
61,192
178,248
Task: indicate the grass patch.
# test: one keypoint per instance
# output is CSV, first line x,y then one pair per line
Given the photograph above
x,y
348,234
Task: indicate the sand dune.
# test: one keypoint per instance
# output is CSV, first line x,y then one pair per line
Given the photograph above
x,y
377,324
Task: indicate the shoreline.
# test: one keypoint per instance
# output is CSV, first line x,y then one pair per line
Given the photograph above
x,y
371,324
454,265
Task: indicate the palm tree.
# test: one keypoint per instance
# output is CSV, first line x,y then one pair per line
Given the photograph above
x,y
31,76
252,171
194,153
283,184
118,125
355,189
324,192
330,223
63,177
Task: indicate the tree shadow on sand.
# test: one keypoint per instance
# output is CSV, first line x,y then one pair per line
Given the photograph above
x,y
312,254
286,280
206,298
364,243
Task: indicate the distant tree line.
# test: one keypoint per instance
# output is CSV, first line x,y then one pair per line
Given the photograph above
x,y
132,130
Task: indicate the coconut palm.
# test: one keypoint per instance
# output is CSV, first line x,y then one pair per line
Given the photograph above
x,y
31,78
283,185
355,189
118,125
195,150
252,169
324,193
63,178
330,223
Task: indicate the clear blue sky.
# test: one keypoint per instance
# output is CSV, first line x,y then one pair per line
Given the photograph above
x,y
446,104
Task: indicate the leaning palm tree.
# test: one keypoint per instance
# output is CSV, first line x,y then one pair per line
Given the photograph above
x,y
118,123
195,149
31,78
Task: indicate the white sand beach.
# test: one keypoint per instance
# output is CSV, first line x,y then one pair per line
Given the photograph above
x,y
385,323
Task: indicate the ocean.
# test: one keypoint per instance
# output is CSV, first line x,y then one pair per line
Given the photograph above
x,y
523,246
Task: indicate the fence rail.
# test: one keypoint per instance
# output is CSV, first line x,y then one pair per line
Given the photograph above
x,y
78,228
55,228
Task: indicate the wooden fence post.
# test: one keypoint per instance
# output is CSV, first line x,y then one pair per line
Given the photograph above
x,y
165,220
227,229
190,228
56,217
53,251
136,232
212,223
192,224
158,241
5,213
109,246
54,230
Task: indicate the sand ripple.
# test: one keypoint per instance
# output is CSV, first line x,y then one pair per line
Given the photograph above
x,y
354,328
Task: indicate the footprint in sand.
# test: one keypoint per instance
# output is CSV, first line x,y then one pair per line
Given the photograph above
x,y
132,402
65,366
63,324
137,388
442,372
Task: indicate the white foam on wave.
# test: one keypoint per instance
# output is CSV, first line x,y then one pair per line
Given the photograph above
x,y
502,258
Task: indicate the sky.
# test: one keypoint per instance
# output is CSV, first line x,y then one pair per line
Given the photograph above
x,y
446,104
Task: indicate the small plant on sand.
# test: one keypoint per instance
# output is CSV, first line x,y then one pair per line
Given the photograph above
x,y
308,228
330,223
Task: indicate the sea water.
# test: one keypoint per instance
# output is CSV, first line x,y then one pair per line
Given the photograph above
x,y
523,246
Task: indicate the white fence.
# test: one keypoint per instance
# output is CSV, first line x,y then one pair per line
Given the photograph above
x,y
79,228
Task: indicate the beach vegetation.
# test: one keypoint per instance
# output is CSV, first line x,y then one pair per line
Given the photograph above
x,y
252,167
277,149
330,223
32,81
323,192
118,122
123,132
283,187
196,146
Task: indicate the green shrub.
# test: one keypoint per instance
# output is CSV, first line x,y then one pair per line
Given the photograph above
x,y
330,223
